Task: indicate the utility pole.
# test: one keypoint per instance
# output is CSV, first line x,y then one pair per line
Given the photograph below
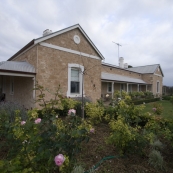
x,y
82,106
118,47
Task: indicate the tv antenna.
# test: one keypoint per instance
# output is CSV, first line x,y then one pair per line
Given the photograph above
x,y
118,47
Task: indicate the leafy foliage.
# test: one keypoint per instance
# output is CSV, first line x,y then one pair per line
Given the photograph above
x,y
33,142
121,135
171,99
94,112
156,159
158,109
78,169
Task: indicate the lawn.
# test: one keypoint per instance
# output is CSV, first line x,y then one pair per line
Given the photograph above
x,y
167,108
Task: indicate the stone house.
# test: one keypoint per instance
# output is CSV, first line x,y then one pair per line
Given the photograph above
x,y
66,58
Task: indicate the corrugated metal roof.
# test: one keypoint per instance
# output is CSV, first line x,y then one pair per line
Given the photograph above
x,y
145,69
17,66
140,69
120,78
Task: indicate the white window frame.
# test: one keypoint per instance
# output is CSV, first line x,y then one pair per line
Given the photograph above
x,y
11,86
81,69
109,83
158,87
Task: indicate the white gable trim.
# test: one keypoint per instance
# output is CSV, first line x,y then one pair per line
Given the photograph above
x,y
159,67
66,30
157,75
68,50
54,34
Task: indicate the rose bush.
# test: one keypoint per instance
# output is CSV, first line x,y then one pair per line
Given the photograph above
x,y
32,143
35,146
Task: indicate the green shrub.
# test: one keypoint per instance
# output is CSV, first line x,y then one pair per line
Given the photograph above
x,y
36,143
121,135
171,99
138,102
129,139
117,94
157,108
168,131
157,145
132,114
153,126
110,112
156,159
33,143
166,97
94,112
129,112
66,104
78,169
148,94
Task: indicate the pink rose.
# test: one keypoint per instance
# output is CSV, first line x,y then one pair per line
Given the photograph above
x,y
23,122
154,109
59,159
38,120
92,130
71,112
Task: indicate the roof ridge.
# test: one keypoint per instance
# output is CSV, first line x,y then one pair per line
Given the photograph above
x,y
145,65
57,31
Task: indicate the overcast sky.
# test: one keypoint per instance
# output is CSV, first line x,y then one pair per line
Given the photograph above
x,y
144,28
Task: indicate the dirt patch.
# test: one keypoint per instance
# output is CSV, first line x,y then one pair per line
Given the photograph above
x,y
96,149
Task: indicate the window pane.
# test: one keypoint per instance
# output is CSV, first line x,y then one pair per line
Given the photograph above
x,y
109,87
74,87
158,87
75,75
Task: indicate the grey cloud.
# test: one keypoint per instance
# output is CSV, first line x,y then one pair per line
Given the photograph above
x,y
144,27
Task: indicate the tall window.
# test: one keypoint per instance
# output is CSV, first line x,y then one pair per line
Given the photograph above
x,y
75,82
158,87
109,87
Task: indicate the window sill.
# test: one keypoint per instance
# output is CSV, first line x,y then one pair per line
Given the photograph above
x,y
75,95
109,91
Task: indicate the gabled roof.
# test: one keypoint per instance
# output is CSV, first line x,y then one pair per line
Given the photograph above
x,y
146,69
41,39
16,66
120,78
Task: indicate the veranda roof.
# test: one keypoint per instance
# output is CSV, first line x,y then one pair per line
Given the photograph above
x,y
15,66
120,78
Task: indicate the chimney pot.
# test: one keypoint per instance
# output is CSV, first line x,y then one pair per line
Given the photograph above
x,y
47,32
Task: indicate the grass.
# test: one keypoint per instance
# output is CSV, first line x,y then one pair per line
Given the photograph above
x,y
167,108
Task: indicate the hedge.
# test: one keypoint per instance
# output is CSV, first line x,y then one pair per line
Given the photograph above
x,y
138,102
